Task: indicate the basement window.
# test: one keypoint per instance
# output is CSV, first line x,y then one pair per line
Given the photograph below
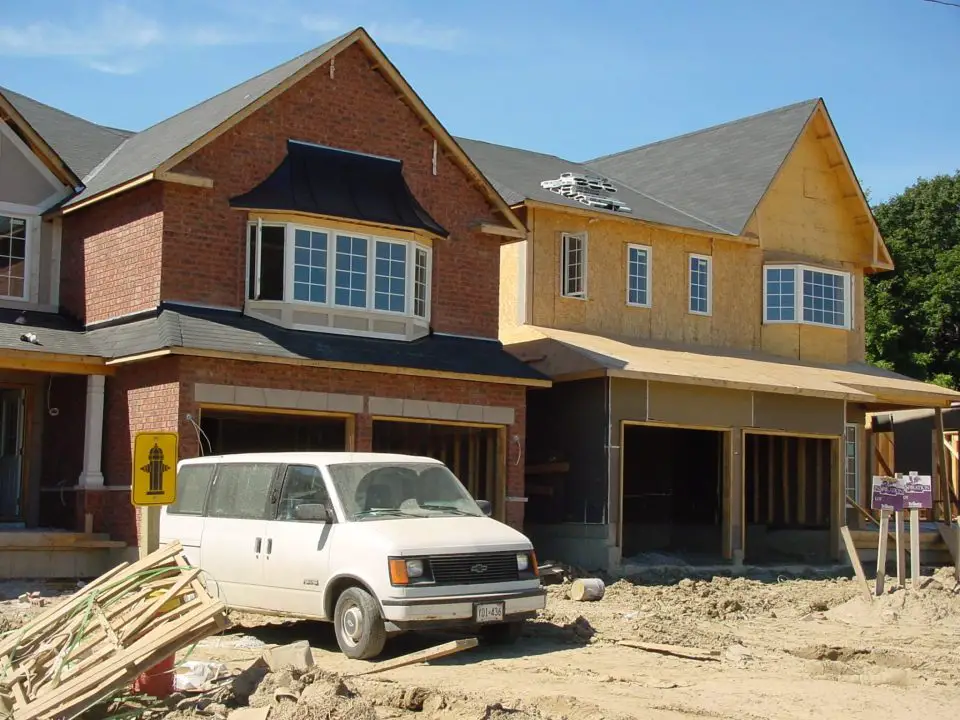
x,y
809,295
333,280
573,268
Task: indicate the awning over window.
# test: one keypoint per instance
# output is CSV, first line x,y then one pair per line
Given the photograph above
x,y
328,181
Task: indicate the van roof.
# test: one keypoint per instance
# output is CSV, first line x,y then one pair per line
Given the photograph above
x,y
310,458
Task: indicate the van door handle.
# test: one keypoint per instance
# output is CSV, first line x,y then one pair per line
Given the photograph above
x,y
269,545
256,545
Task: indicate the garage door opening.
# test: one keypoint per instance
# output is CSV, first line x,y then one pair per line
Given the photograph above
x,y
672,489
787,500
470,452
240,432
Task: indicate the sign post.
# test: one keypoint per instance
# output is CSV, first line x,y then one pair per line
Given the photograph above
x,y
887,497
918,493
154,482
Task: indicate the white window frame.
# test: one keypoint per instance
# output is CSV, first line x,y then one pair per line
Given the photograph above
x,y
709,262
565,265
649,253
289,249
29,230
857,484
798,270
428,281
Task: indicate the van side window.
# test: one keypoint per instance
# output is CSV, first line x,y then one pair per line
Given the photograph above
x,y
242,490
302,485
193,481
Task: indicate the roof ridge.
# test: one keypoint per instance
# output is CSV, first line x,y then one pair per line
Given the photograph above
x,y
519,149
702,130
118,131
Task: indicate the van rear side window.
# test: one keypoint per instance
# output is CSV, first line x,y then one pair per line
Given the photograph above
x,y
193,481
242,491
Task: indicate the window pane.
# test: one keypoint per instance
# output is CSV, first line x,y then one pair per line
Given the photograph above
x,y
350,286
13,254
241,491
193,481
420,284
781,294
271,262
638,269
699,285
302,485
310,266
390,270
824,298
573,265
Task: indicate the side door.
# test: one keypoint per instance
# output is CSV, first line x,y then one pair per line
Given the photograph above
x,y
184,520
297,559
233,545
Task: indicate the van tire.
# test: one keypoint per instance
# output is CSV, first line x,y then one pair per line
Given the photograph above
x,y
503,633
358,624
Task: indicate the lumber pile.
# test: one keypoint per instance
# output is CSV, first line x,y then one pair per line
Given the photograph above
x,y
88,648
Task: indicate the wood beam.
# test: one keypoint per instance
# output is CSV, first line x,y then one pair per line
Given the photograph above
x,y
136,182
490,229
184,179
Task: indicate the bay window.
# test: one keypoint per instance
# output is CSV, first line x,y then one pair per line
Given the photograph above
x,y
338,280
809,295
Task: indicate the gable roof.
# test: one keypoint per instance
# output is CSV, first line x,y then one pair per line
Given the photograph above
x,y
79,143
517,175
718,174
164,145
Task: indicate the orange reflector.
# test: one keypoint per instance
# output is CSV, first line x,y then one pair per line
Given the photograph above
x,y
533,564
398,571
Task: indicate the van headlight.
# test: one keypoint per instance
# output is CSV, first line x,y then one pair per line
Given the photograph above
x,y
409,571
414,569
523,562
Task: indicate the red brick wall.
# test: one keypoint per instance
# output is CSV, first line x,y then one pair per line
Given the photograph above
x,y
203,259
111,252
290,377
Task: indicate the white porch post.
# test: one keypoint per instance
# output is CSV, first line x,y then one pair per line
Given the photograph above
x,y
92,477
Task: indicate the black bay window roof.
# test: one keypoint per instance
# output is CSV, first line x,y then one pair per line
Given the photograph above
x,y
320,180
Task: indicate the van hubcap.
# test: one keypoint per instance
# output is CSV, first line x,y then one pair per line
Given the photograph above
x,y
352,624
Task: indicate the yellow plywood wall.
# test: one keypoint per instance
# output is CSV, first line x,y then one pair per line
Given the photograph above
x,y
511,283
737,298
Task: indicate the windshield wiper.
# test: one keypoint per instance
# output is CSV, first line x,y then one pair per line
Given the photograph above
x,y
447,508
384,511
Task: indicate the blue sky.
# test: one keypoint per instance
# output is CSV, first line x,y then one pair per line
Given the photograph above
x,y
577,79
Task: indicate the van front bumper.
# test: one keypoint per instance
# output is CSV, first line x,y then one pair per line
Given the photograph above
x,y
459,610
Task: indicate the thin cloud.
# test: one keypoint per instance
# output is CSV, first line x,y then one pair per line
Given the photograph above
x,y
417,33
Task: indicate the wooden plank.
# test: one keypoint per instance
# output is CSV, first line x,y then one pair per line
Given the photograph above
x,y
855,562
914,547
473,459
755,441
421,656
819,480
490,481
882,550
105,624
688,653
901,549
771,516
802,480
785,477
942,462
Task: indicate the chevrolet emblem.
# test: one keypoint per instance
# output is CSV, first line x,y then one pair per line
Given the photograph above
x,y
478,568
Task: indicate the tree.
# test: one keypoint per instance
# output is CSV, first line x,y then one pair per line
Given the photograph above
x,y
913,313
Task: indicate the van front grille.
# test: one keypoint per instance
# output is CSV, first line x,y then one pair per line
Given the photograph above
x,y
474,568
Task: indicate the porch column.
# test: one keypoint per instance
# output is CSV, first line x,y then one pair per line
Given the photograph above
x,y
92,477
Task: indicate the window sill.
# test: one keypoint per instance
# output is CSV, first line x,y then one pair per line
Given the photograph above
x,y
337,320
845,328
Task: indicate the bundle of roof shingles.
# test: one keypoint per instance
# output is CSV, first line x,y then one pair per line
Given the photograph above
x,y
587,189
93,645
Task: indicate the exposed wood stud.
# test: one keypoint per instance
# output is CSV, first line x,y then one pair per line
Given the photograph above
x,y
756,477
802,480
771,445
785,478
819,480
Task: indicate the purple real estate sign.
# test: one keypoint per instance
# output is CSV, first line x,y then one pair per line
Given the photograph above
x,y
917,491
887,493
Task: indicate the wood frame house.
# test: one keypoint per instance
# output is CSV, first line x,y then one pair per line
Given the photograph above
x,y
306,261
698,303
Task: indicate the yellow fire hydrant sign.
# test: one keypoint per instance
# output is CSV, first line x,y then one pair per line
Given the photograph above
x,y
154,469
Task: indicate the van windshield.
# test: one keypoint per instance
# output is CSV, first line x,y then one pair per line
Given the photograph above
x,y
371,491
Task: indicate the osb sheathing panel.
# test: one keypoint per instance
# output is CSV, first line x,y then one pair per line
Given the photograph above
x,y
793,413
736,296
856,413
511,286
822,344
698,406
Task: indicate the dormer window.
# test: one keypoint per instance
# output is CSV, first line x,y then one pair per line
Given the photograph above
x,y
327,278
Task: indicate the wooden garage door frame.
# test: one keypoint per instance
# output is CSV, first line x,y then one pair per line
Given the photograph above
x,y
349,418
500,482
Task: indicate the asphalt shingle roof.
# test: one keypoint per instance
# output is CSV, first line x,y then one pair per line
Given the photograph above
x,y
81,144
144,151
719,174
227,331
54,333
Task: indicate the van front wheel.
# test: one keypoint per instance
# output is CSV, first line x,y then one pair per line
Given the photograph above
x,y
358,624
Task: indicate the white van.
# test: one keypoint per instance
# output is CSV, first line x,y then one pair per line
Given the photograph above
x,y
376,543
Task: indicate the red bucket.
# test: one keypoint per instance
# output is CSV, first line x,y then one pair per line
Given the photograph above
x,y
157,681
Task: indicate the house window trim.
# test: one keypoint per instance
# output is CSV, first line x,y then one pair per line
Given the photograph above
x,y
289,249
649,251
858,485
28,251
564,266
798,269
709,261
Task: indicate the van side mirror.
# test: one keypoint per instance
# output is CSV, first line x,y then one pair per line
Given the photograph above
x,y
313,512
485,507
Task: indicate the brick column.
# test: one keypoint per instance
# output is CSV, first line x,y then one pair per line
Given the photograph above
x,y
363,433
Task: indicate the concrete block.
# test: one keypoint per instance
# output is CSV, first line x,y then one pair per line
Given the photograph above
x,y
470,413
388,407
251,396
296,655
312,401
219,394
281,398
345,403
498,415
442,410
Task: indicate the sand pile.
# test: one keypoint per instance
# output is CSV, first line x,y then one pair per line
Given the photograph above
x,y
936,600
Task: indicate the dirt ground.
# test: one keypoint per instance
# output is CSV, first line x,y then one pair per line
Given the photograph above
x,y
783,648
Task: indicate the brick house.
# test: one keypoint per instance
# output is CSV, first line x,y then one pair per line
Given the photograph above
x,y
306,261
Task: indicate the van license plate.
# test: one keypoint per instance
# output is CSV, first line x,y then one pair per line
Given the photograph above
x,y
488,612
